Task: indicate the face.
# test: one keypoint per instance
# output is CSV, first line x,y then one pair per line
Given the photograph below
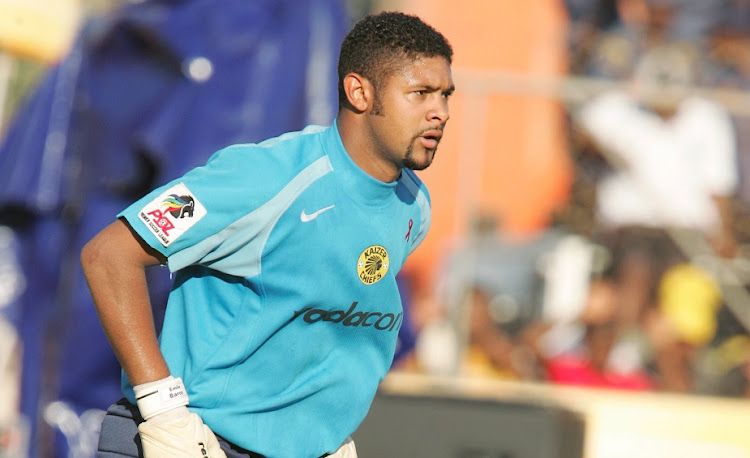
x,y
409,113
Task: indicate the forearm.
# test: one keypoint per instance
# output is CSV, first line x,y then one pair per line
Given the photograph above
x,y
724,209
723,238
114,267
114,264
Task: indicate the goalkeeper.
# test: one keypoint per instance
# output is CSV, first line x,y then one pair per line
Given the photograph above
x,y
284,311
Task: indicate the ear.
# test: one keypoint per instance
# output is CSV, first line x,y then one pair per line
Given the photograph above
x,y
359,91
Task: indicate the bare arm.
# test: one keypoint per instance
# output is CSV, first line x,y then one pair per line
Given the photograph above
x,y
723,240
114,264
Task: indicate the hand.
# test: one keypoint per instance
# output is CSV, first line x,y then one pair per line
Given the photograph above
x,y
170,429
178,433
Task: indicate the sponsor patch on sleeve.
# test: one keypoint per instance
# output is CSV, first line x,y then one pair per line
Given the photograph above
x,y
172,213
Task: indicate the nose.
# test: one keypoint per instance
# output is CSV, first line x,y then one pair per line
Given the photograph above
x,y
439,111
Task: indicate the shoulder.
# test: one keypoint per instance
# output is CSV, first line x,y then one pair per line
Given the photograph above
x,y
613,100
255,172
285,155
290,144
607,111
705,119
703,107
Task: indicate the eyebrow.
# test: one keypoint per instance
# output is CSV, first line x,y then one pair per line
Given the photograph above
x,y
429,88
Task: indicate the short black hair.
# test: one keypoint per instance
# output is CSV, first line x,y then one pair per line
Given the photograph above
x,y
381,43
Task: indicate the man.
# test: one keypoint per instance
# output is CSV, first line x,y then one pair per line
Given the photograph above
x,y
285,310
63,180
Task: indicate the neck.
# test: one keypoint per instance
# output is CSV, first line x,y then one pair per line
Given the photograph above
x,y
363,150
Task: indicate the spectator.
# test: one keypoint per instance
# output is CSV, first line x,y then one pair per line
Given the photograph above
x,y
594,362
730,50
645,24
641,25
683,324
674,159
491,289
587,19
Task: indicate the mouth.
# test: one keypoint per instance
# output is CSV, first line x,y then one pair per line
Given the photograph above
x,y
431,138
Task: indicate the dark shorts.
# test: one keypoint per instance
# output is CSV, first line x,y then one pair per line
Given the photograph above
x,y
119,436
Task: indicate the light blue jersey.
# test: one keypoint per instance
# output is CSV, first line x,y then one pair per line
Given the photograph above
x,y
285,311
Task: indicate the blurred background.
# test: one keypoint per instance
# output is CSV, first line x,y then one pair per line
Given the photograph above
x,y
583,290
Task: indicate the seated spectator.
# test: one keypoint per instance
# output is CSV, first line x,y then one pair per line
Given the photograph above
x,y
594,362
490,290
682,324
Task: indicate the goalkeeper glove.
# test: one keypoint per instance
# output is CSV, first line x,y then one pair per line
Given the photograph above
x,y
170,429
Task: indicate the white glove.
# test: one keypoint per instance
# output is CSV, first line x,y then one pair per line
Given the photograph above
x,y
170,429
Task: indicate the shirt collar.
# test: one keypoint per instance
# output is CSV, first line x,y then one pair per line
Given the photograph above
x,y
357,183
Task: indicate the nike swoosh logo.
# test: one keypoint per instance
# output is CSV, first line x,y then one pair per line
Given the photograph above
x,y
307,218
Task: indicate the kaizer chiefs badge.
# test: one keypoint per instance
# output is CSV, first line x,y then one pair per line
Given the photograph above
x,y
373,264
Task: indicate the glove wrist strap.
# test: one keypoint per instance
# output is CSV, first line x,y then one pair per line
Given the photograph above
x,y
161,396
